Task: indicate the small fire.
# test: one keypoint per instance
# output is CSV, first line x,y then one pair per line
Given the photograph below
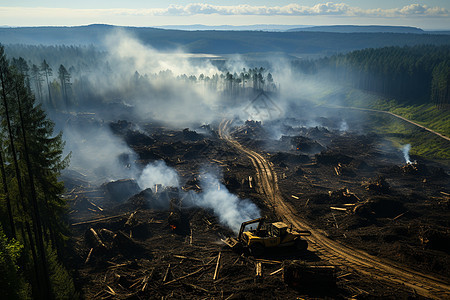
x,y
173,227
405,150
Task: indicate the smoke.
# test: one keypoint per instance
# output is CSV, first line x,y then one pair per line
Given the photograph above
x,y
158,173
230,210
166,90
98,154
343,126
405,150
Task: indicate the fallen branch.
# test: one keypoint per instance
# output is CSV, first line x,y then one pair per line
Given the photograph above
x,y
216,272
399,216
266,261
129,222
344,275
258,269
185,276
276,272
166,275
111,291
185,257
95,205
338,208
98,220
99,243
197,287
89,256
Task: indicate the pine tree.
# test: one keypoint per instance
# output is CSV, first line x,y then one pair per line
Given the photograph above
x,y
64,78
47,72
37,156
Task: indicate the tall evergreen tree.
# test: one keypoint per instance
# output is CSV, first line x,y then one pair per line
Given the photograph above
x,y
64,78
36,155
47,72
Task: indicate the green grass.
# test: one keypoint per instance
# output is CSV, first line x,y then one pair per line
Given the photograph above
x,y
427,115
423,143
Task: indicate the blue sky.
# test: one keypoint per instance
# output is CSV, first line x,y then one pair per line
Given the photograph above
x,y
427,14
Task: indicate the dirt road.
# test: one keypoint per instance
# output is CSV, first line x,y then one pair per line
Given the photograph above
x,y
396,116
330,250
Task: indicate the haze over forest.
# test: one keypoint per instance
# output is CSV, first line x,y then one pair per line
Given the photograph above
x,y
200,123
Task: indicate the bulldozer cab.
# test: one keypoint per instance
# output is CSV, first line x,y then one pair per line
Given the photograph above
x,y
278,229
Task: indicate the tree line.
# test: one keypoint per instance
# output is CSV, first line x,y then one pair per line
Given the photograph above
x,y
32,226
417,74
63,88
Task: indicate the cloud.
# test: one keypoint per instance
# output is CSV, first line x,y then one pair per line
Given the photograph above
x,y
321,9
326,9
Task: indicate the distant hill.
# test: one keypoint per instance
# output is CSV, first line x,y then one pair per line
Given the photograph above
x,y
222,42
259,27
358,29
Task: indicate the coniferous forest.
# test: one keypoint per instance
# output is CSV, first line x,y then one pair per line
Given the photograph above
x,y
33,232
413,75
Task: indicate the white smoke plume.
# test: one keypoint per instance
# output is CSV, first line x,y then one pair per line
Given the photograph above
x,y
405,150
158,173
98,154
230,210
343,126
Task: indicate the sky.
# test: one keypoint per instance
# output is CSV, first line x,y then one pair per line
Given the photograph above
x,y
425,14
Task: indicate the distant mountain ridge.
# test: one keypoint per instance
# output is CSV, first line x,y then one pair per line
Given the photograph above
x,y
222,42
257,27
358,29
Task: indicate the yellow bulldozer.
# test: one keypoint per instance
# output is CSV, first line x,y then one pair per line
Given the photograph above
x,y
267,235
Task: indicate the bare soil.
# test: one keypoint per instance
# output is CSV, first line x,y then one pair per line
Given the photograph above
x,y
390,210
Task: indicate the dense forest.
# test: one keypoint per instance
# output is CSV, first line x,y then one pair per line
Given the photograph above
x,y
67,77
32,229
413,75
222,42
63,76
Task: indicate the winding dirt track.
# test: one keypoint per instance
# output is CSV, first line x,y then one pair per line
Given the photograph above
x,y
330,250
397,116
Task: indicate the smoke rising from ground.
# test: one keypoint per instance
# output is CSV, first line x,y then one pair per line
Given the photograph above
x,y
98,154
405,150
158,173
230,210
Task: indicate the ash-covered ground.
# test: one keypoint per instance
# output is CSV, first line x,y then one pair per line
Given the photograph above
x,y
163,240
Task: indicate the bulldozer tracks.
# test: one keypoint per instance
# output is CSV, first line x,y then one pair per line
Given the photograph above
x,y
329,250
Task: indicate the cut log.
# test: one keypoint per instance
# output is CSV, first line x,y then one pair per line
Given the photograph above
x,y
95,205
89,256
276,272
186,257
185,276
258,269
399,216
216,272
309,276
338,208
98,220
130,220
95,240
166,274
196,287
266,261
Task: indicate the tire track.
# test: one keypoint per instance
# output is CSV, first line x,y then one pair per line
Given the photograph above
x,y
330,250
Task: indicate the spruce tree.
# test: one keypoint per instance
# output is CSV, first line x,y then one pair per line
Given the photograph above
x,y
37,156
